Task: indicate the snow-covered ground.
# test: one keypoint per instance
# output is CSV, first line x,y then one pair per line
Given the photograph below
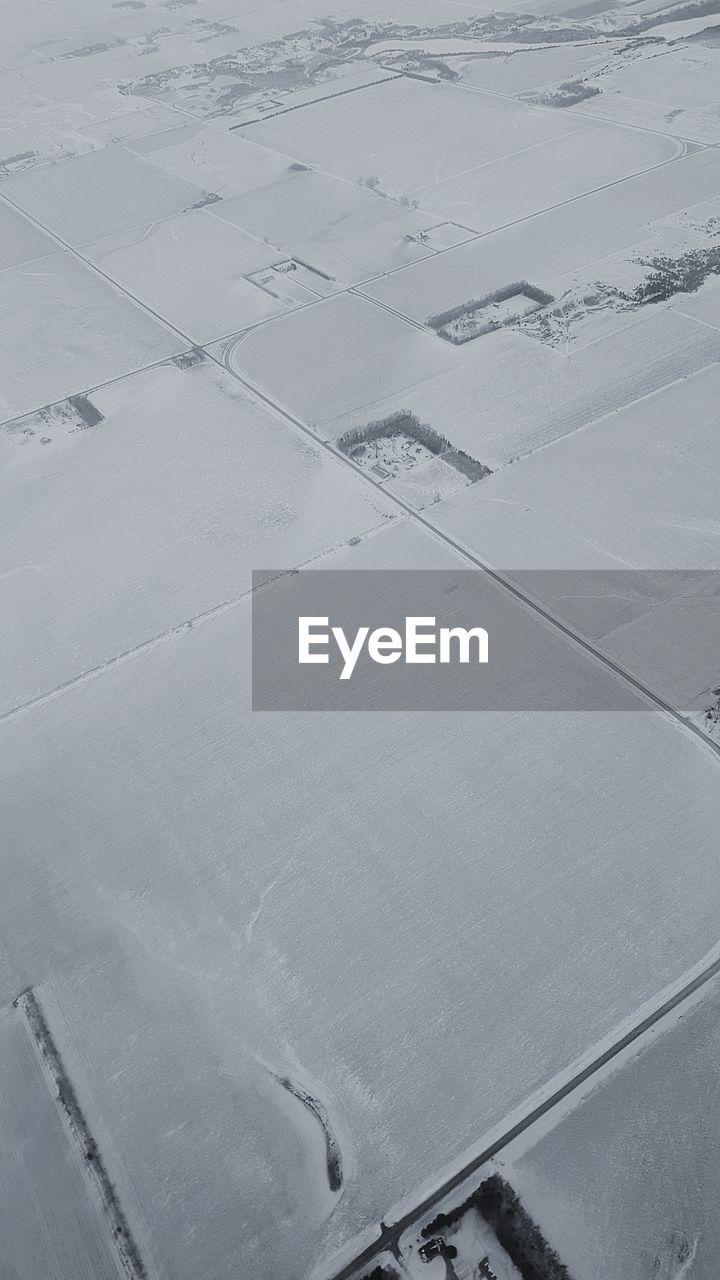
x,y
621,1184
51,1223
299,965
219,895
117,533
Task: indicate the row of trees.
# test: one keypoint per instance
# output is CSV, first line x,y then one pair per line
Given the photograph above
x,y
516,289
406,423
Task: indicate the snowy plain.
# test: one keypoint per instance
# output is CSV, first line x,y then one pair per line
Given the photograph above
x,y
417,920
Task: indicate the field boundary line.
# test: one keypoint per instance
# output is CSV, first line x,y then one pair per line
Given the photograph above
x,y
506,584
90,391
611,413
584,115
300,106
74,1121
178,628
706,324
284,414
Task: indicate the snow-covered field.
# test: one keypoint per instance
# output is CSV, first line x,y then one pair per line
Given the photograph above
x,y
20,241
509,394
341,354
106,335
119,532
555,244
549,511
336,226
406,133
300,965
51,1225
653,464
193,270
580,160
621,1184
228,918
472,143
522,71
212,158
99,194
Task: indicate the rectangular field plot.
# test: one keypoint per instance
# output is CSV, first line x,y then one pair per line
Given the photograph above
x,y
192,269
236,908
65,329
587,156
509,394
51,1225
635,490
583,1174
212,158
56,131
553,244
408,135
345,353
341,228
99,194
178,486
20,241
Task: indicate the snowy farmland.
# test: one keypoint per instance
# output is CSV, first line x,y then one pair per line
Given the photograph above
x,y
108,336
554,245
20,241
193,269
212,158
51,1225
483,406
413,286
676,91
471,143
341,354
549,510
100,193
239,489
384,123
586,1177
341,228
237,946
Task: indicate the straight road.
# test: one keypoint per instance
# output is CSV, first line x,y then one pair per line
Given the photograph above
x,y
390,1234
506,584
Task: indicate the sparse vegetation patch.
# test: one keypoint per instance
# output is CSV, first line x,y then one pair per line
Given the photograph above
x,y
668,276
566,94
